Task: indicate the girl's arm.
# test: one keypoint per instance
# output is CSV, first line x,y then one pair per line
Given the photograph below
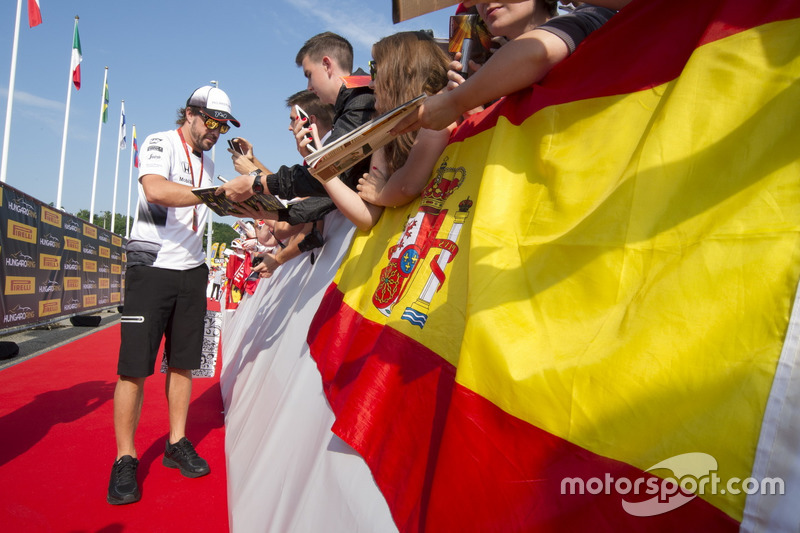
x,y
407,182
361,213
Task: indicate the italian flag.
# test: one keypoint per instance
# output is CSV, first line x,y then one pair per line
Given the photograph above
x,y
77,57
595,297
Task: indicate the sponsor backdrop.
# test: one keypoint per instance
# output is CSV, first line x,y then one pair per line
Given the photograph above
x,y
54,265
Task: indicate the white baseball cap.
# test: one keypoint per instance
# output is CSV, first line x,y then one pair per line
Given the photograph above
x,y
214,103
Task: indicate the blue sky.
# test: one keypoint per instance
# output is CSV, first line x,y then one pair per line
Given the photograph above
x,y
157,54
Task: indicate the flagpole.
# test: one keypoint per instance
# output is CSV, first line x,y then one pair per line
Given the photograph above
x,y
11,80
130,179
66,124
97,151
116,166
210,226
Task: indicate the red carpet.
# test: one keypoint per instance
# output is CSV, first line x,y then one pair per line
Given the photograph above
x,y
57,446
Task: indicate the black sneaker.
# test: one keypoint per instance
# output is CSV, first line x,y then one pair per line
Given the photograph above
x,y
182,455
123,488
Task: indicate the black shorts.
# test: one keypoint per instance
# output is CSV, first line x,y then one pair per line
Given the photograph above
x,y
161,302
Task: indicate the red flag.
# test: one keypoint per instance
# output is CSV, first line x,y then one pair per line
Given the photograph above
x,y
34,13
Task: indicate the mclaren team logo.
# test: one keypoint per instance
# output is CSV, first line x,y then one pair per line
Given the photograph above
x,y
72,284
72,244
19,285
21,232
49,262
49,307
89,265
89,231
51,217
105,251
89,300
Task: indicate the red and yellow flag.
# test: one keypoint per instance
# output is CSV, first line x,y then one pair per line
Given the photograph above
x,y
577,327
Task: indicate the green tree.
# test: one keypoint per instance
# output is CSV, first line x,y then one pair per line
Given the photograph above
x,y
103,220
221,233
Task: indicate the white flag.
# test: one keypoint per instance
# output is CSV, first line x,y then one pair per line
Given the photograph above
x,y
122,139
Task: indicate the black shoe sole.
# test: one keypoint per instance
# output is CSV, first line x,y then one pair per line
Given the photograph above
x,y
128,498
169,463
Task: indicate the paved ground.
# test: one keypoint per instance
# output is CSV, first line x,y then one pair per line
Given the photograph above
x,y
40,339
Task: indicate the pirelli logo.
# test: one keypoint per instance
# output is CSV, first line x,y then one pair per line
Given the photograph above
x,y
105,251
116,241
115,297
124,257
49,307
49,262
89,231
21,232
20,285
103,283
72,284
116,269
72,244
89,265
51,217
89,300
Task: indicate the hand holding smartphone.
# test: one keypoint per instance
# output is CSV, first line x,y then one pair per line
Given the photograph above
x,y
234,145
303,116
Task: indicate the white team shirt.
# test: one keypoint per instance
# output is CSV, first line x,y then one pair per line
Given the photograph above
x,y
168,230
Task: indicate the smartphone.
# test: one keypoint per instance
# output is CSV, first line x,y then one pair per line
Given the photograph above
x,y
234,145
312,146
469,35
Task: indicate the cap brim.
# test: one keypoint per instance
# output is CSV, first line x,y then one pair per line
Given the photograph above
x,y
221,116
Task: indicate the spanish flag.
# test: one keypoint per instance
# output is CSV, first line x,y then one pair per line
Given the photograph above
x,y
586,321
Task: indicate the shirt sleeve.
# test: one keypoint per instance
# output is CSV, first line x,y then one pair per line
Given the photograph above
x,y
291,182
308,210
572,28
156,156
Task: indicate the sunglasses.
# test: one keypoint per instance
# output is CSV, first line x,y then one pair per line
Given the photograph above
x,y
373,69
214,124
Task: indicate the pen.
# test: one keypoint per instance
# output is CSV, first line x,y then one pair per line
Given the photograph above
x,y
223,180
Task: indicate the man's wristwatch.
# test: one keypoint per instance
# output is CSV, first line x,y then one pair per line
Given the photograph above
x,y
258,188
